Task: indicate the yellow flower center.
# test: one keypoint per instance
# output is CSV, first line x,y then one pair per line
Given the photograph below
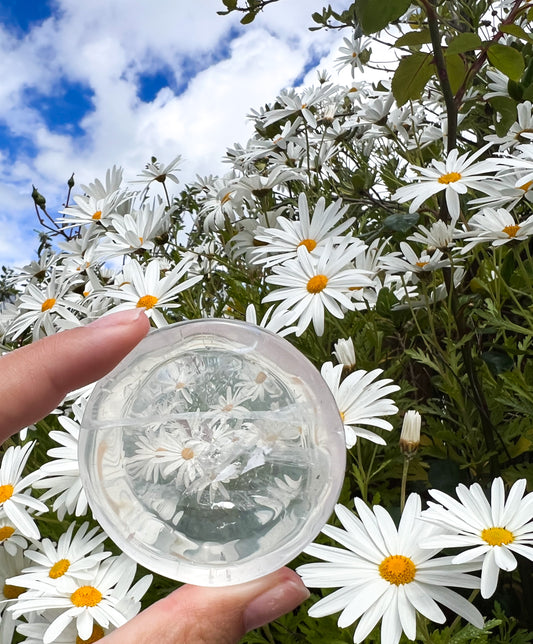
x,y
317,283
310,244
354,55
343,415
147,302
86,596
97,215
12,592
422,264
397,570
511,230
260,378
6,492
497,536
451,177
227,407
526,186
225,198
6,532
187,453
97,634
59,569
48,304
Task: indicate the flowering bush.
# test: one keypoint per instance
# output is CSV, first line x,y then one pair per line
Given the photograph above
x,y
383,228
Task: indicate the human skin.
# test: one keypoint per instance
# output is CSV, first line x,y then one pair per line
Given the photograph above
x,y
33,381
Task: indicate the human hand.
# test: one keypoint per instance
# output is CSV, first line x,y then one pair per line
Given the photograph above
x,y
34,380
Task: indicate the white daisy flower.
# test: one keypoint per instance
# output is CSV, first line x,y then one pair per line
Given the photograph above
x,y
113,181
220,203
497,227
520,131
156,171
282,242
295,103
92,210
9,565
360,399
135,230
506,190
412,262
73,557
490,532
455,175
410,434
439,235
97,601
278,323
61,475
42,308
35,630
229,405
385,574
144,287
523,162
14,501
311,285
10,538
344,351
351,53
498,85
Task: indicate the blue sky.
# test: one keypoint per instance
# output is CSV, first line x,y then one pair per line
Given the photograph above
x,y
85,85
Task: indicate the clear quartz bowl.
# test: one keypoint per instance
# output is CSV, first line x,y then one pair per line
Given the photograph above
x,y
214,453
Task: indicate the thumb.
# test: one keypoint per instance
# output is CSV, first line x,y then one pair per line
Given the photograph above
x,y
197,615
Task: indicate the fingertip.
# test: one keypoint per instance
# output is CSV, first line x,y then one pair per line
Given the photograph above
x,y
285,594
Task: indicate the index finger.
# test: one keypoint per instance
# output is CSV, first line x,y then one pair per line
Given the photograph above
x,y
35,378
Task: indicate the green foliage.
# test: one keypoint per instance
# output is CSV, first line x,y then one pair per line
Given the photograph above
x,y
375,16
507,59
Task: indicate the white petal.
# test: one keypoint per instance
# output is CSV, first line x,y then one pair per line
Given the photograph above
x,y
57,627
489,575
504,558
361,600
373,615
406,612
84,624
423,602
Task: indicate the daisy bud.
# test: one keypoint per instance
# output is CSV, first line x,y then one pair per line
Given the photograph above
x,y
410,435
344,351
38,198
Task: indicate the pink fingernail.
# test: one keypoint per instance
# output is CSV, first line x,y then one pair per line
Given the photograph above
x,y
273,603
116,319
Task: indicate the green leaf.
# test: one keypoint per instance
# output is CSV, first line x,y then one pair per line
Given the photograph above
x,y
507,60
411,76
375,15
401,223
464,42
517,31
498,361
506,108
456,70
413,38
248,18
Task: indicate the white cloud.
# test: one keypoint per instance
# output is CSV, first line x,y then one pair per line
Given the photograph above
x,y
104,46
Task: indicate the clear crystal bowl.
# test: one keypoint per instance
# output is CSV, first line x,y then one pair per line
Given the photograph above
x,y
213,453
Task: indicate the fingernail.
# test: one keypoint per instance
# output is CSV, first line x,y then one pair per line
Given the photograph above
x,y
116,319
273,603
